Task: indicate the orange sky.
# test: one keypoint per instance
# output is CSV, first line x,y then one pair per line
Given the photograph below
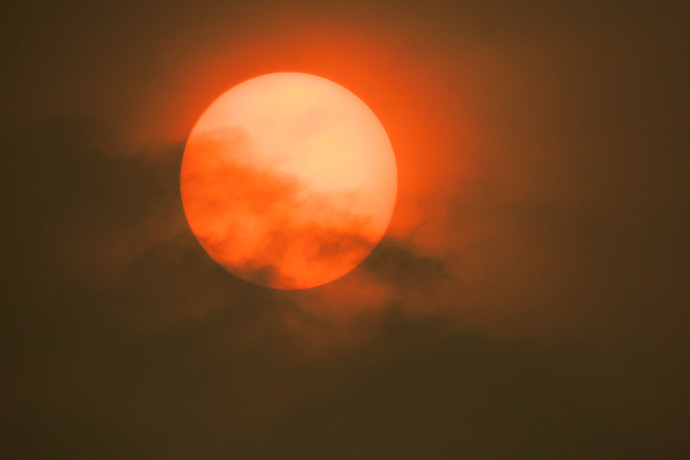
x,y
426,115
537,256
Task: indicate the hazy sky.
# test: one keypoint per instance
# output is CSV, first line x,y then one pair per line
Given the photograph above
x,y
530,299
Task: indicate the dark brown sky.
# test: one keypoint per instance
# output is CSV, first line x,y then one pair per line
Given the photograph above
x,y
530,300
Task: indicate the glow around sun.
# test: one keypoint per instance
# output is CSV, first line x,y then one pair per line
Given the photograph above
x,y
288,180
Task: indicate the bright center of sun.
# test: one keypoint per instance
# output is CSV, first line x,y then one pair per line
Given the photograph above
x,y
288,180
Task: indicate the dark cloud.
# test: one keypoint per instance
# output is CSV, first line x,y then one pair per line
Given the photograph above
x,y
173,355
396,263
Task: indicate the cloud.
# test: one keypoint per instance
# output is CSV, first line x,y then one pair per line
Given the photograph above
x,y
268,226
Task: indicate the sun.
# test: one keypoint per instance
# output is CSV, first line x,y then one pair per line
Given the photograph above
x,y
288,180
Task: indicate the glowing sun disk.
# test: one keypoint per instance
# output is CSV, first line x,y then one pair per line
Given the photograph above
x,y
288,180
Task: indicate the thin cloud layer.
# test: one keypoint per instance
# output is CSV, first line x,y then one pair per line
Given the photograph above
x,y
267,227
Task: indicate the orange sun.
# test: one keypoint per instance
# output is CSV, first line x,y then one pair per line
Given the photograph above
x,y
288,180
